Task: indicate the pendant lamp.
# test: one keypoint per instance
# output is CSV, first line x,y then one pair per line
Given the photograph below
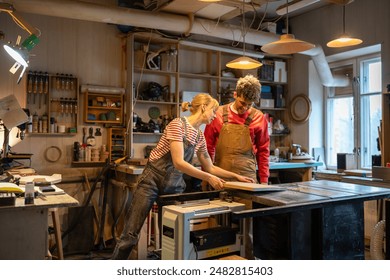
x,y
287,43
344,40
243,62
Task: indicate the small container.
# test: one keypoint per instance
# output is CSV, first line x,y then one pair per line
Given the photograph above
x,y
82,154
88,154
29,193
277,154
270,126
44,124
30,127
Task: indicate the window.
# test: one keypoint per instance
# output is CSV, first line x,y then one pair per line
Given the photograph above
x,y
371,109
353,113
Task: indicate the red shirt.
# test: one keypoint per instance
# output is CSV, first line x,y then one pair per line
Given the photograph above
x,y
259,134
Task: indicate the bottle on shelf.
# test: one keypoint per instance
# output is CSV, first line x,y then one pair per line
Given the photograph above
x,y
29,193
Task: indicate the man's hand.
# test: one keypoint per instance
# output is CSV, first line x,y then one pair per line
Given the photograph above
x,y
245,179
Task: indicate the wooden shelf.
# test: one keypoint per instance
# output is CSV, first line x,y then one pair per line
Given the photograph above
x,y
203,74
55,97
50,134
88,164
272,82
155,102
103,108
271,109
115,150
147,133
153,72
198,76
106,113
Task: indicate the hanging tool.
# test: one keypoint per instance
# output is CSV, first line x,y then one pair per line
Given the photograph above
x,y
29,86
35,87
40,88
62,106
66,106
91,141
45,86
75,108
84,135
98,132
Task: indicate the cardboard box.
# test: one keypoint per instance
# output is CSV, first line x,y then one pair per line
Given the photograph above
x,y
381,172
346,161
269,26
280,73
267,103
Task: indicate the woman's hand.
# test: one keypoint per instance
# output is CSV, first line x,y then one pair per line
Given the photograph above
x,y
215,182
245,179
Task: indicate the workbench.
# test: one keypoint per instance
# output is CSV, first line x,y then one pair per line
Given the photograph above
x,y
24,228
311,220
305,169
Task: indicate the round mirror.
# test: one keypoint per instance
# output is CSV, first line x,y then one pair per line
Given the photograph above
x,y
300,108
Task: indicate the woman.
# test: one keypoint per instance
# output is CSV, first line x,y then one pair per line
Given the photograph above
x,y
172,157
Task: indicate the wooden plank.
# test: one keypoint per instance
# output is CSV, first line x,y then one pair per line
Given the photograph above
x,y
252,187
358,172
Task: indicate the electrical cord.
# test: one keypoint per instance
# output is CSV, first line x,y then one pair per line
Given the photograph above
x,y
196,251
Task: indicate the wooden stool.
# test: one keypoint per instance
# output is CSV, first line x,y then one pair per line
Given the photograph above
x,y
57,232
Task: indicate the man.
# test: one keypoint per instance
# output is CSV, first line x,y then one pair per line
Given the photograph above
x,y
237,139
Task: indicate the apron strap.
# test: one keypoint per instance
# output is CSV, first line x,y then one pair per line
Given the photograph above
x,y
225,113
184,121
250,117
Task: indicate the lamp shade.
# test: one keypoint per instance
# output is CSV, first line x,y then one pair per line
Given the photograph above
x,y
19,55
344,41
243,62
287,45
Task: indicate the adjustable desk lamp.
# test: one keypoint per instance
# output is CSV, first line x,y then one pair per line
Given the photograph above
x,y
20,53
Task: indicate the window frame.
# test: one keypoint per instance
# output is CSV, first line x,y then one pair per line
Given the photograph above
x,y
357,64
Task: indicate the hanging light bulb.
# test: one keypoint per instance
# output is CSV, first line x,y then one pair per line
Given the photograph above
x,y
243,62
344,40
287,43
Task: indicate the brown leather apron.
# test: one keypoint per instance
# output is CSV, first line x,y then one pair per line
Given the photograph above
x,y
234,151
